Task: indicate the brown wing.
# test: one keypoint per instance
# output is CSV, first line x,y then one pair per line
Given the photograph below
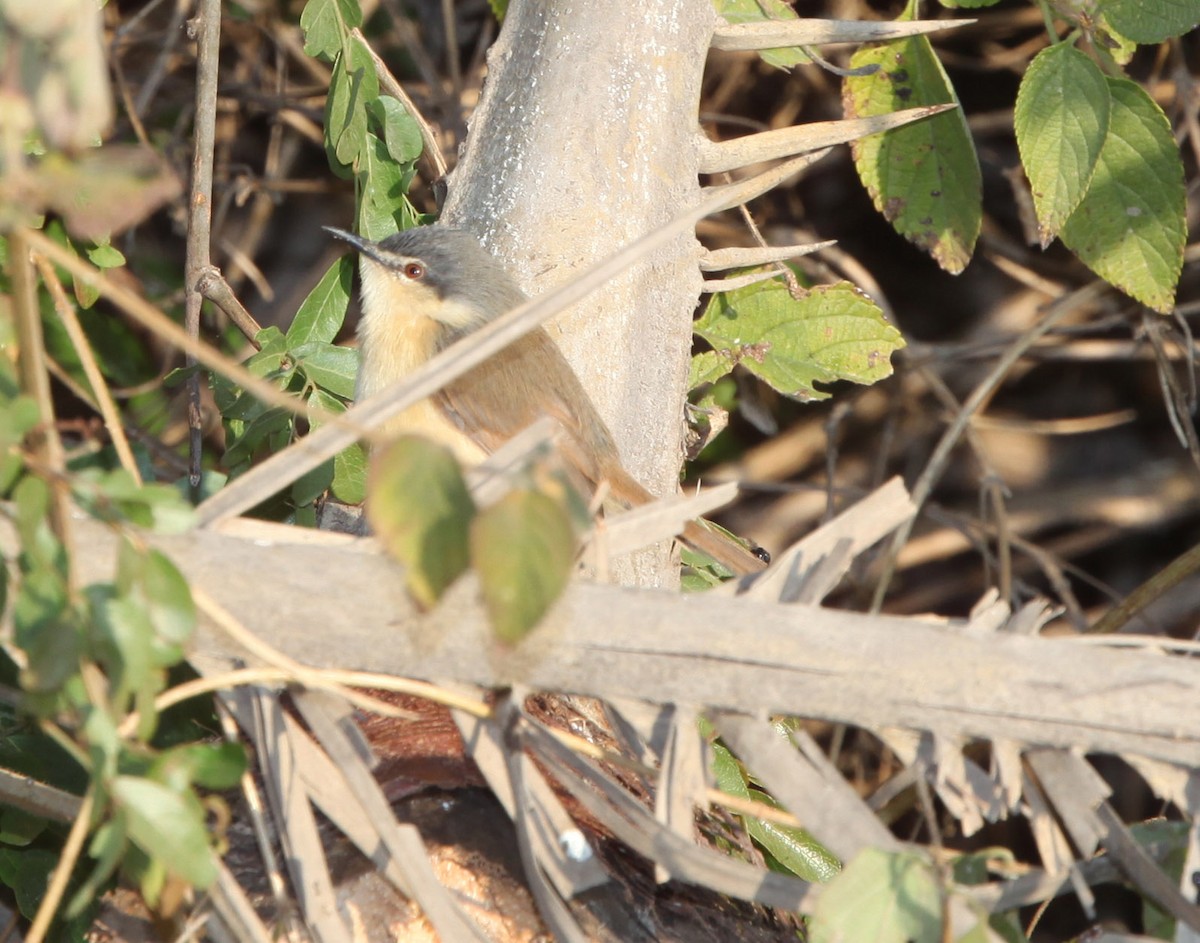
x,y
531,379
527,380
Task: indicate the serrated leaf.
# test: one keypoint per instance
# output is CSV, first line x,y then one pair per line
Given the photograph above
x,y
1151,22
832,332
880,897
324,310
758,11
329,366
419,507
523,549
1130,227
1061,120
707,367
924,177
400,131
168,826
325,22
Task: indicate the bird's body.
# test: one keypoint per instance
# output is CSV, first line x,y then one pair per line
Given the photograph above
x,y
425,288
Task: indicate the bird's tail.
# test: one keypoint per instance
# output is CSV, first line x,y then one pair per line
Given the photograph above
x,y
727,551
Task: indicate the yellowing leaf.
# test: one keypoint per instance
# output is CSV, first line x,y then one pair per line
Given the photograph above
x,y
418,505
924,177
523,548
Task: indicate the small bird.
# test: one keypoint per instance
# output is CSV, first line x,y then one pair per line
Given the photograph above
x,y
423,289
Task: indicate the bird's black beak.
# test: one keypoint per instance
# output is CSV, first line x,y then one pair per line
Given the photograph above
x,y
365,246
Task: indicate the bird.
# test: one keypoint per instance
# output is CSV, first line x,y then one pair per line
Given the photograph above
x,y
426,287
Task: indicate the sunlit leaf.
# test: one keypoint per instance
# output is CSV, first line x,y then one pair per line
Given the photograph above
x,y
879,897
168,826
321,315
924,177
831,332
1061,120
1130,227
1151,22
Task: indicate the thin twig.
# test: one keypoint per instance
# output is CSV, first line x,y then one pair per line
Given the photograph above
x,y
57,886
282,468
91,369
388,83
43,442
207,31
140,310
980,395
212,285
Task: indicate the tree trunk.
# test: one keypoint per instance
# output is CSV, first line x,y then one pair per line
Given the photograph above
x,y
585,139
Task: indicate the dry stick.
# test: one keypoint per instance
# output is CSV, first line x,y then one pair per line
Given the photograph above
x,y
1175,572
388,83
87,359
43,441
208,38
155,321
282,468
941,454
62,871
212,285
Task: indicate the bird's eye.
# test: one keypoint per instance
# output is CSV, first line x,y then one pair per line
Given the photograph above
x,y
414,271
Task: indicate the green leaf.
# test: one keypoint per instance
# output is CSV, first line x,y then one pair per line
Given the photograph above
x,y
349,483
418,505
924,177
729,774
211,765
523,548
758,11
168,602
794,849
382,184
325,23
832,332
104,255
352,85
968,4
123,643
107,847
321,315
329,366
312,484
1153,22
706,368
880,897
167,826
1061,120
400,130
1130,227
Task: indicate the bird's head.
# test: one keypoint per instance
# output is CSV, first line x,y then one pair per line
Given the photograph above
x,y
432,272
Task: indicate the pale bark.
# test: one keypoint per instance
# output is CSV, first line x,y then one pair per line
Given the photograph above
x,y
585,139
